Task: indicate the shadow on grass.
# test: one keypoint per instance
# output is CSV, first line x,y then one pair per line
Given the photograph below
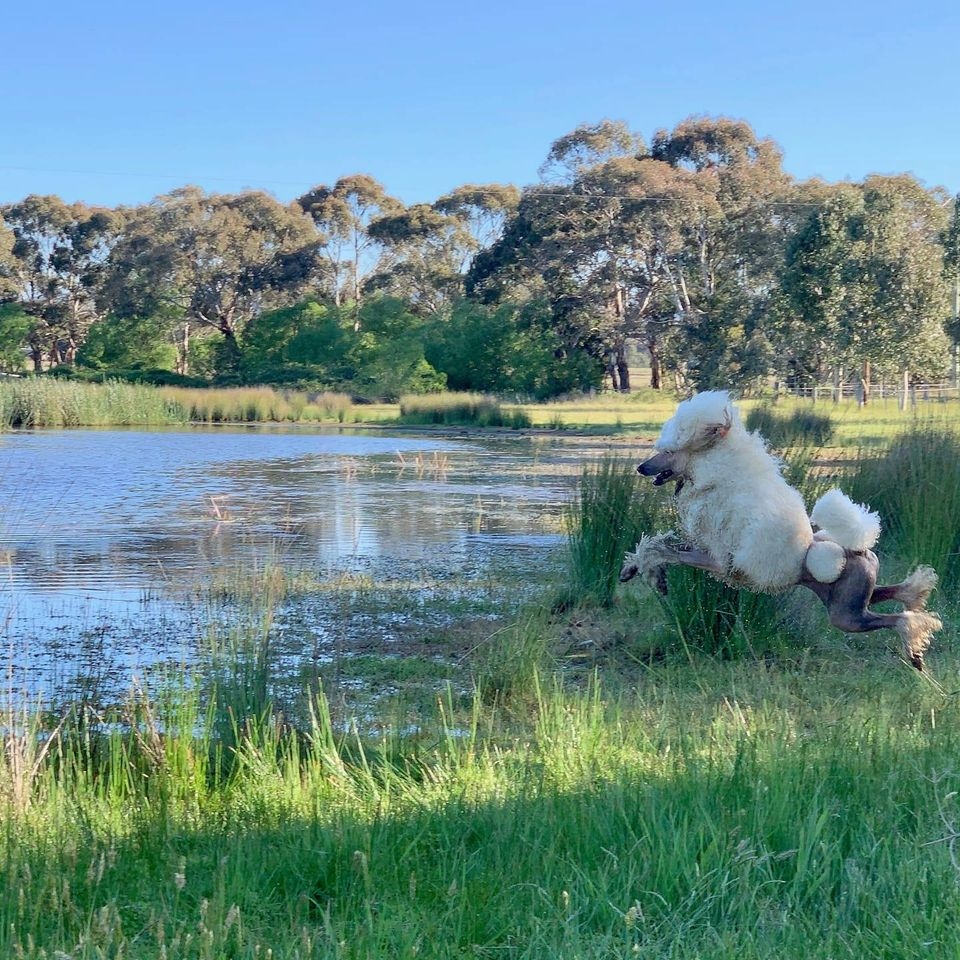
x,y
737,835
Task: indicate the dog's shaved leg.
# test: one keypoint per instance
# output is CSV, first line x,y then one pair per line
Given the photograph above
x,y
692,557
915,628
846,602
912,592
654,554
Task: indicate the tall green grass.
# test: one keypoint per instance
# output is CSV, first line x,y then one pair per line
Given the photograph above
x,y
612,510
50,402
731,814
47,402
914,484
459,409
803,426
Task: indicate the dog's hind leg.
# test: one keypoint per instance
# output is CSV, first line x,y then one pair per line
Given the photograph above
x,y
912,592
915,628
847,599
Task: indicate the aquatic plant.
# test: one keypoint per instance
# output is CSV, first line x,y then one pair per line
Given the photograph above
x,y
459,409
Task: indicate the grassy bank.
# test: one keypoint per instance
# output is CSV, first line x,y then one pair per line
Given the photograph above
x,y
716,810
41,402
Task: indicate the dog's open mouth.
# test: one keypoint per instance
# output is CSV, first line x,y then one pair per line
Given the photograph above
x,y
662,477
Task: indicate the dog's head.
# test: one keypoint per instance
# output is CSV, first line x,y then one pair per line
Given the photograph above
x,y
699,423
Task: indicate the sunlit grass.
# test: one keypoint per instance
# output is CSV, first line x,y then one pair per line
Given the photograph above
x,y
714,810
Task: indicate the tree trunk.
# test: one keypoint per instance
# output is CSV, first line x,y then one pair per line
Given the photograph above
x,y
231,349
623,370
656,370
183,350
36,355
865,382
612,374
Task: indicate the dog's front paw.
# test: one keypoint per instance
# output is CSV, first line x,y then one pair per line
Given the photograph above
x,y
656,577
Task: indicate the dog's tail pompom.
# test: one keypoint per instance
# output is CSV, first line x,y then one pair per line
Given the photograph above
x,y
850,524
825,561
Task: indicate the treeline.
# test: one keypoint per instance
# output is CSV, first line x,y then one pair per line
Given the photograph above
x,y
697,246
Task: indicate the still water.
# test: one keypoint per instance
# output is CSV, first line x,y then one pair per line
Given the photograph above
x,y
108,537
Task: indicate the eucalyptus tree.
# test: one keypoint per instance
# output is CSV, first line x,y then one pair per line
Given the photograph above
x,y
55,266
903,297
211,262
482,210
734,237
430,246
589,145
566,244
427,253
862,285
8,264
342,215
817,289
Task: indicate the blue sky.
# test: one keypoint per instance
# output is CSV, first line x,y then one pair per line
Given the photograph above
x,y
113,102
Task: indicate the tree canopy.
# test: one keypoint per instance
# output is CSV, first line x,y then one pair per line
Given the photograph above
x,y
695,248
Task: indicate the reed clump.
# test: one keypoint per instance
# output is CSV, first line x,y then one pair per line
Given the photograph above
x,y
612,510
49,402
260,405
459,409
53,402
914,484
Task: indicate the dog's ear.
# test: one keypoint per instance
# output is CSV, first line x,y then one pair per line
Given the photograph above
x,y
712,432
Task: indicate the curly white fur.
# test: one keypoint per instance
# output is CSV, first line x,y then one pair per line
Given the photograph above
x,y
736,505
850,524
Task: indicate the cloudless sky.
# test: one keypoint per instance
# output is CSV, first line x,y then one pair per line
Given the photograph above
x,y
114,101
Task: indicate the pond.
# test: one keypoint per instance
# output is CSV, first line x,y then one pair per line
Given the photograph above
x,y
115,544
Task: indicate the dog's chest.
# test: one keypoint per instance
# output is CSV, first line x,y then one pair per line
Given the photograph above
x,y
700,514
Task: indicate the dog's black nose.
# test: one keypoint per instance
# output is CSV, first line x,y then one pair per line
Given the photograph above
x,y
645,470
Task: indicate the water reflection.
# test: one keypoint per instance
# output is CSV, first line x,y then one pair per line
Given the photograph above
x,y
104,532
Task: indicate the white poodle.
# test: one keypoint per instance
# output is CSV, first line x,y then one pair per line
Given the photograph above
x,y
748,527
